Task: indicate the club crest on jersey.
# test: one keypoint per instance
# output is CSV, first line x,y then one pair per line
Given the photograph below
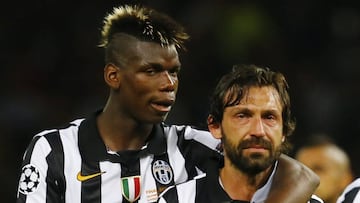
x,y
162,172
29,179
131,188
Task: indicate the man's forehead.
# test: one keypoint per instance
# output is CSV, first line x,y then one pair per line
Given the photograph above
x,y
265,96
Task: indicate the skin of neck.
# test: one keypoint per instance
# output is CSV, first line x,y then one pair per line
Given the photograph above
x,y
119,131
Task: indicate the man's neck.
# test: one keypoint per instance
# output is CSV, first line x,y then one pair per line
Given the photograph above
x,y
239,185
120,133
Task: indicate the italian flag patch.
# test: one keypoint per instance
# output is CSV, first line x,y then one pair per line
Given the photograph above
x,y
131,188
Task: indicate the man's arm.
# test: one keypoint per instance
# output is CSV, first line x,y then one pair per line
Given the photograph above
x,y
38,182
293,182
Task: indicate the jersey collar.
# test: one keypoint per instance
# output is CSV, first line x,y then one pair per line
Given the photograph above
x,y
92,148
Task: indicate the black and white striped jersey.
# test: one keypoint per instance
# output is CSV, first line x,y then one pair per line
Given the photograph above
x,y
207,188
73,165
351,193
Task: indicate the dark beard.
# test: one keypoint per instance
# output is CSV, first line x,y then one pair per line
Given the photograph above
x,y
255,162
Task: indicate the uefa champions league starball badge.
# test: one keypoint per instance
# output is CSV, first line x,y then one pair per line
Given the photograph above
x,y
29,179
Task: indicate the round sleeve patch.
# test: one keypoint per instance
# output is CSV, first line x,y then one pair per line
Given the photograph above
x,y
29,179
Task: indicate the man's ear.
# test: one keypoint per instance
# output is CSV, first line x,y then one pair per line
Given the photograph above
x,y
214,127
112,76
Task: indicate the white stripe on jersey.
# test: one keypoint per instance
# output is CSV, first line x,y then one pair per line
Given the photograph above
x,y
37,160
72,163
113,181
176,160
201,136
39,135
188,197
147,177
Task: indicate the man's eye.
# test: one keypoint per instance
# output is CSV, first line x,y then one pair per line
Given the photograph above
x,y
270,117
174,72
241,115
150,71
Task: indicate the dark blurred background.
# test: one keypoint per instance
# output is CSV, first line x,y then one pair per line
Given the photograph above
x,y
51,67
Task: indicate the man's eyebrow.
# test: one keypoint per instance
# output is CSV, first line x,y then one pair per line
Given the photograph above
x,y
154,65
241,109
272,111
159,66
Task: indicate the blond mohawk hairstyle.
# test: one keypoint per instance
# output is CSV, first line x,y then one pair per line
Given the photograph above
x,y
144,23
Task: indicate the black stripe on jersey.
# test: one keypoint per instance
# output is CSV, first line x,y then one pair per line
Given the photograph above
x,y
55,178
171,195
29,150
201,187
129,168
90,189
195,155
350,196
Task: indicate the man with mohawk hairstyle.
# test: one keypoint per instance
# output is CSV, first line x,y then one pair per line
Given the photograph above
x,y
125,152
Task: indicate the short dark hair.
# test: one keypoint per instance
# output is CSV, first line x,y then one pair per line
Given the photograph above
x,y
129,22
142,23
233,86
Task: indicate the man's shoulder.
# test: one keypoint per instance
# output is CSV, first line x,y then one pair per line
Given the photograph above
x,y
63,130
351,193
74,123
188,130
191,133
354,184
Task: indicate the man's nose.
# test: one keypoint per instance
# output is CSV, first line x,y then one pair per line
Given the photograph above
x,y
169,82
257,128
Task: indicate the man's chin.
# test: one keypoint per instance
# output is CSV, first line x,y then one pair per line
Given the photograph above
x,y
157,119
254,164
